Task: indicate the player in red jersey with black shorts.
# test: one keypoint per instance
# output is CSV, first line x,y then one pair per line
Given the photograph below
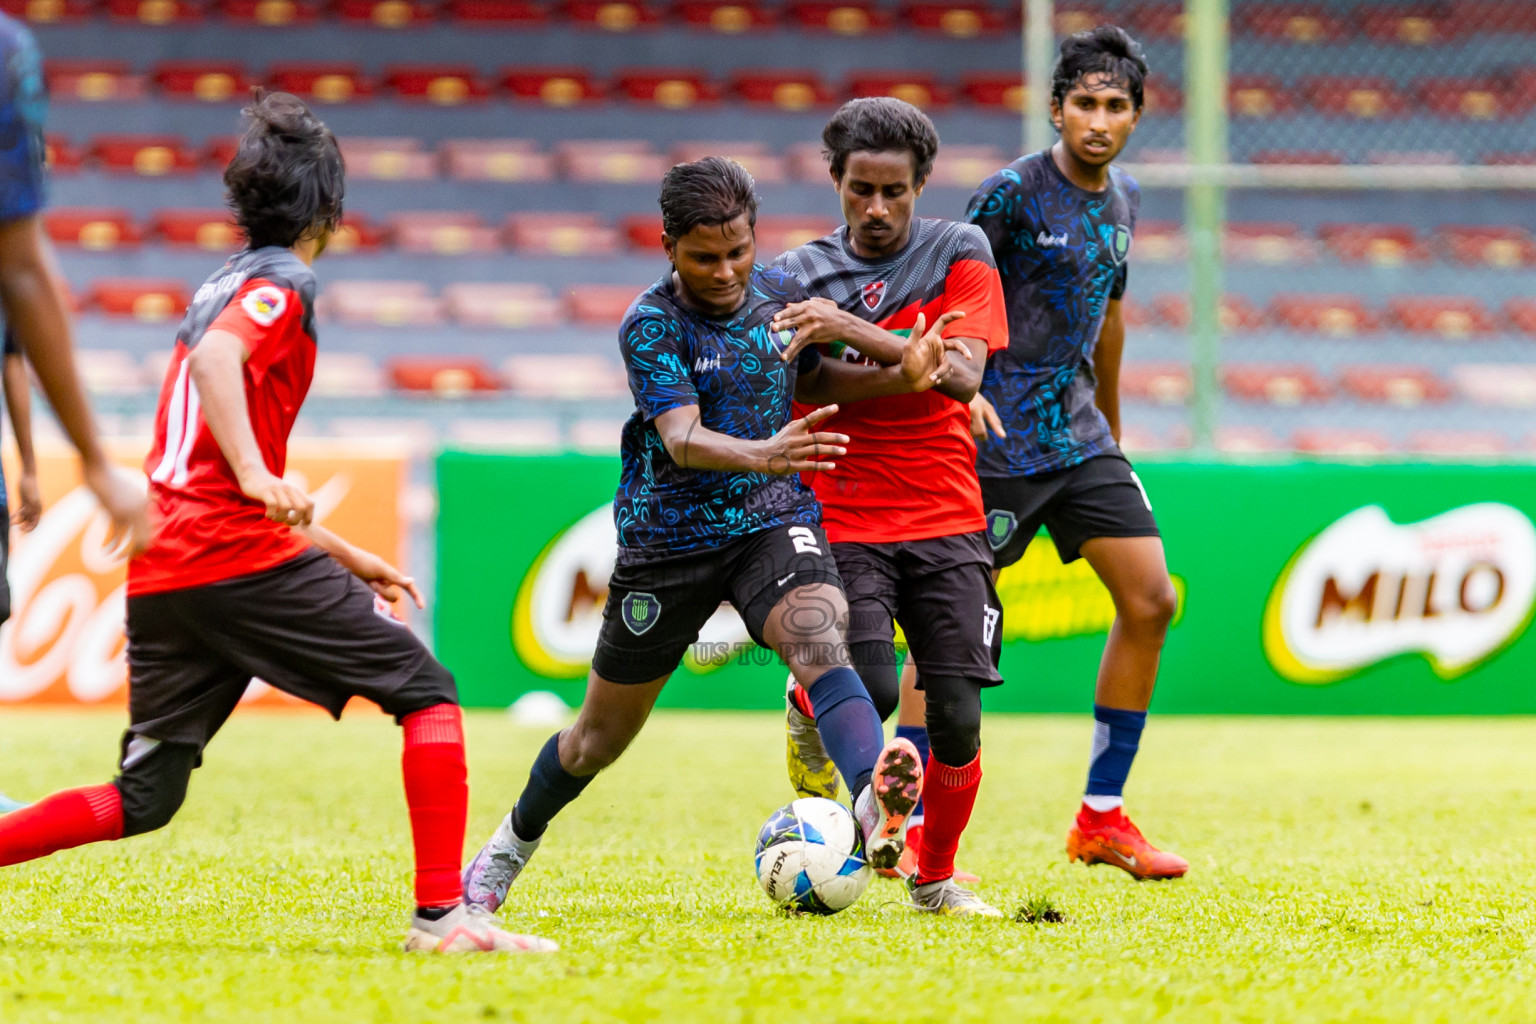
x,y
904,513
238,582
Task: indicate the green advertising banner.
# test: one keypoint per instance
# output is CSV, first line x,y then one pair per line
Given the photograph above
x,y
1305,588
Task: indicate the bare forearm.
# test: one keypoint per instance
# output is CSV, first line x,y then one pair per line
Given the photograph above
x,y
700,448
325,540
964,378
839,382
18,400
871,341
218,374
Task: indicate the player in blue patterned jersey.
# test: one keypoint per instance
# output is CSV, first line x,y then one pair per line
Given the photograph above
x,y
1048,418
711,508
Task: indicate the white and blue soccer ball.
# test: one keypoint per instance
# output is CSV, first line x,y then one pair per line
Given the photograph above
x,y
810,857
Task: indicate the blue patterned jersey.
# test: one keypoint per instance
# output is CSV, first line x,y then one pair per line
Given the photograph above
x,y
23,106
730,368
1062,253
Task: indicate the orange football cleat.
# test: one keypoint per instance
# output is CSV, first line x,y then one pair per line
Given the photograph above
x,y
907,866
1112,838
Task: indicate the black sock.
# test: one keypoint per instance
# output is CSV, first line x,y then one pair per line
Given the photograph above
x,y
550,787
435,913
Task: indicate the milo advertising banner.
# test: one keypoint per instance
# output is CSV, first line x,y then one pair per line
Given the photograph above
x,y
1307,588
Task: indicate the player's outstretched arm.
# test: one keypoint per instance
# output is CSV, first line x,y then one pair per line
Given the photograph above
x,y
217,369
18,402
797,448
384,579
33,299
1106,366
924,364
821,322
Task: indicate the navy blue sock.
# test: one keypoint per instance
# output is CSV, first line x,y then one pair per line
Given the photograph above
x,y
918,734
1116,735
550,787
849,725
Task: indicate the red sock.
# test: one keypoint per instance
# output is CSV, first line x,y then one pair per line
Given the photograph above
x,y
949,794
63,821
437,794
802,700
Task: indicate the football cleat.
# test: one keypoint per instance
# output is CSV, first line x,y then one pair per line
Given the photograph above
x,y
949,899
811,770
907,866
897,784
467,929
489,877
1112,838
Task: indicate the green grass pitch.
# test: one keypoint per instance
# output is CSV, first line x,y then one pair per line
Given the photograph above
x,y
1342,870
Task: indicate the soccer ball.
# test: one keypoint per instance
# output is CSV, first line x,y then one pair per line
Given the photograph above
x,y
810,857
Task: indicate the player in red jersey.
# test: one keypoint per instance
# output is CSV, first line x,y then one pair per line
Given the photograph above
x,y
904,513
239,582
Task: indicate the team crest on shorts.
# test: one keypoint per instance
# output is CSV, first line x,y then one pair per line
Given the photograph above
x,y
872,293
639,612
1000,528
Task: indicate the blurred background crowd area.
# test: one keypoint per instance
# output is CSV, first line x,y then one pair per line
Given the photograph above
x,y
504,156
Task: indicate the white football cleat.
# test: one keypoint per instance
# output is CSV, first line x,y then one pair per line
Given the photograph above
x,y
467,929
489,877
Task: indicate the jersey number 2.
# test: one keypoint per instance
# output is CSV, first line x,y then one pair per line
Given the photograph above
x,y
180,431
805,540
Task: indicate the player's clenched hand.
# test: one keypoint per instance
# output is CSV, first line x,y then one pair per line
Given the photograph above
x,y
29,507
984,418
382,578
284,502
925,358
122,495
814,321
798,447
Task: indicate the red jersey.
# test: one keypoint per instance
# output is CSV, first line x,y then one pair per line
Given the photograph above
x,y
910,471
205,529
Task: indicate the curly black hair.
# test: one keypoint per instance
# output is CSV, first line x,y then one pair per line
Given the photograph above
x,y
1106,50
710,191
287,179
880,124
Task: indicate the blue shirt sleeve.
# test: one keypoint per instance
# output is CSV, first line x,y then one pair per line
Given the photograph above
x,y
23,107
655,357
994,209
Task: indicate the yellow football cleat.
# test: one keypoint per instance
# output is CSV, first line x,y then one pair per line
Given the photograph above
x,y
811,770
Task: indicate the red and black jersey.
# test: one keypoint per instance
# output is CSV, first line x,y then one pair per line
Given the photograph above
x,y
206,530
910,471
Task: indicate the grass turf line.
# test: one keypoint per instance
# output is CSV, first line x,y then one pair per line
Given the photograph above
x,y
1341,869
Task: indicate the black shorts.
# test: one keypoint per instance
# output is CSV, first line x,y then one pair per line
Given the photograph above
x,y
308,627
655,609
1101,497
939,589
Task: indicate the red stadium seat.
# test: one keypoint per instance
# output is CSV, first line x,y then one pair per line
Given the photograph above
x,y
498,13
1259,96
208,81
1503,247
1384,245
603,305
1522,314
784,89
1160,383
1362,97
442,376
1291,22
1297,157
1276,383
1160,19
1005,90
1162,97
443,233
1413,158
1475,99
1411,25
918,88
959,20
61,155
1458,443
445,85
1238,313
323,83
672,88
154,12
150,156
967,166
93,80
562,234
553,87
1453,318
1525,159
780,234
473,304
1340,441
212,230
1248,441
388,159
1497,384
381,303
1494,16
496,160
568,375
767,167
356,234
218,151
346,375
1406,386
840,17
612,15
726,16
642,232
1277,243
613,161
385,13
1160,241
99,230
1338,316
268,13
151,300
50,12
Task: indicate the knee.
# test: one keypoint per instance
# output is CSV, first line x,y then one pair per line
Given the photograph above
x,y
875,662
954,720
154,787
1151,610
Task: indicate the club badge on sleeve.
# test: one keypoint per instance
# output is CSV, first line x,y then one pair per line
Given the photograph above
x,y
264,305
